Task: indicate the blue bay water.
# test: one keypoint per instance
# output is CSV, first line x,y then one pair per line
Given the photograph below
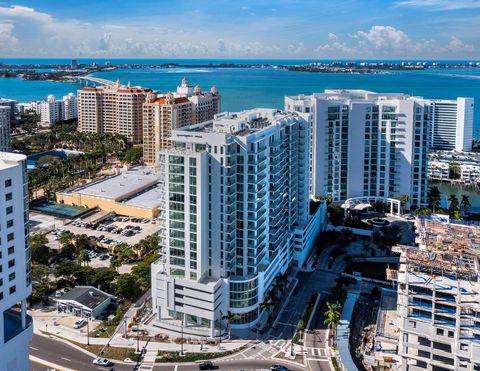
x,y
264,87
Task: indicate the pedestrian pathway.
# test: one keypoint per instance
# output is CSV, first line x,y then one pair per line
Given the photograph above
x,y
148,361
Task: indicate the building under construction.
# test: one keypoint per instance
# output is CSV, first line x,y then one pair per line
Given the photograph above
x,y
438,302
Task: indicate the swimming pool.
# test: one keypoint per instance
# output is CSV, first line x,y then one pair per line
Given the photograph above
x,y
60,210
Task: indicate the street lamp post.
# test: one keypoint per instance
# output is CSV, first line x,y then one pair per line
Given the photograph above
x,y
181,344
88,332
220,334
138,337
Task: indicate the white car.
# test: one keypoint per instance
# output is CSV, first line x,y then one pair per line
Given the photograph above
x,y
102,362
80,323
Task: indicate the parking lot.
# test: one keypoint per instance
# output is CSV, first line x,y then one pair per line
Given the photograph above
x,y
112,231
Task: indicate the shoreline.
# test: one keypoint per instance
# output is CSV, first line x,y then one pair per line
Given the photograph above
x,y
65,73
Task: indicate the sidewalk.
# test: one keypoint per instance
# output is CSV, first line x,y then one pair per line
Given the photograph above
x,y
50,324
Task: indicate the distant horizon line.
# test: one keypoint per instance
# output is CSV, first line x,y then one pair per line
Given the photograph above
x,y
245,59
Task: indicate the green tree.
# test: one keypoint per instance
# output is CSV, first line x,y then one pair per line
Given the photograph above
x,y
40,252
82,242
453,204
333,317
404,200
84,257
433,198
230,318
103,278
335,213
454,171
465,202
132,155
127,287
457,215
143,269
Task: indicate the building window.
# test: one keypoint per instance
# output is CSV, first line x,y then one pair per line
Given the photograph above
x,y
439,331
8,196
12,289
8,183
11,263
9,210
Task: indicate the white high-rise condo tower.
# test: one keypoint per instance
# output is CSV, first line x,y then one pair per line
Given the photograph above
x,y
452,124
236,205
15,283
366,144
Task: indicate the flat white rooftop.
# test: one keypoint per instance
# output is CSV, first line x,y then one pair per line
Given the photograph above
x,y
148,199
119,187
8,159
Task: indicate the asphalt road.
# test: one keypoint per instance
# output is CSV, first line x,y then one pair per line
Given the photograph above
x,y
317,339
69,358
62,354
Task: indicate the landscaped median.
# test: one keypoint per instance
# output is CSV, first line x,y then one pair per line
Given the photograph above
x,y
298,336
175,357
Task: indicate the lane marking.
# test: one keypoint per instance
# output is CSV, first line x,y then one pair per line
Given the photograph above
x,y
176,368
66,359
33,348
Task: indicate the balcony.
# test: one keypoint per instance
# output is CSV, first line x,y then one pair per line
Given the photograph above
x,y
13,324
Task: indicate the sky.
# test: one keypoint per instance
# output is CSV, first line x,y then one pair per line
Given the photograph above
x,y
276,29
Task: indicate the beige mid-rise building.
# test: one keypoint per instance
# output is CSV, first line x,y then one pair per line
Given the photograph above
x,y
164,113
115,109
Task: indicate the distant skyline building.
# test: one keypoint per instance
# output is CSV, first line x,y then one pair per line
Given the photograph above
x,y
10,103
114,109
236,212
452,124
16,327
5,129
52,110
367,144
166,112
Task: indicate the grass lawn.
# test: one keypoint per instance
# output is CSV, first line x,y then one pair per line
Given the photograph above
x,y
112,353
103,331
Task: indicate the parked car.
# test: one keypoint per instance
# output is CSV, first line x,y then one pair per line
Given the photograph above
x,y
207,365
102,362
278,368
80,323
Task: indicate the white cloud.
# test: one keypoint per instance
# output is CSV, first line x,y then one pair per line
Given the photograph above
x,y
385,38
332,36
457,45
222,47
7,40
335,47
438,5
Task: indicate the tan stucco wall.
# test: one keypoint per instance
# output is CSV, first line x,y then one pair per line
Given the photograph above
x,y
106,204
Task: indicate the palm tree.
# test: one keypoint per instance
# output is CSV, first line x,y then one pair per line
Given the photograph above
x,y
454,204
229,317
465,202
404,200
333,317
115,264
434,197
83,257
